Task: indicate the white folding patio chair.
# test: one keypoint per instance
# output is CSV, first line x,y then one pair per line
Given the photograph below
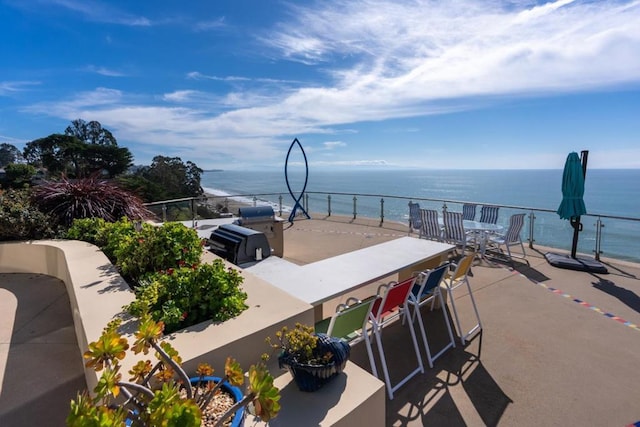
x,y
454,229
511,237
453,280
431,229
469,211
489,214
415,222
389,307
427,289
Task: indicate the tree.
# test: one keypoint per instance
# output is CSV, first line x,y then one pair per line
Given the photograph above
x,y
90,133
136,183
85,149
193,175
166,178
111,158
178,179
60,154
9,154
19,175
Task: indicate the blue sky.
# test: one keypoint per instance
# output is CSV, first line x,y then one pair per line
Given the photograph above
x,y
229,84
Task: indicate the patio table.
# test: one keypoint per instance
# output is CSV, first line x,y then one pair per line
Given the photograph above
x,y
483,229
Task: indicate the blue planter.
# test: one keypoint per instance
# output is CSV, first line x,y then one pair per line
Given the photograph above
x,y
313,377
238,417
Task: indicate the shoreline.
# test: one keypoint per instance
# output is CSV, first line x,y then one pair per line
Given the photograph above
x,y
232,204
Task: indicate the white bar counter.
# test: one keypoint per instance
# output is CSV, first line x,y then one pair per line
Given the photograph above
x,y
323,280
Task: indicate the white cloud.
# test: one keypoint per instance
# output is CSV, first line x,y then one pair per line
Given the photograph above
x,y
85,104
179,95
104,71
359,163
215,24
196,75
99,11
435,50
330,145
11,140
9,87
384,60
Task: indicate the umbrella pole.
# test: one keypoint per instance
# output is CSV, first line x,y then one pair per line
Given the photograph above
x,y
577,228
575,221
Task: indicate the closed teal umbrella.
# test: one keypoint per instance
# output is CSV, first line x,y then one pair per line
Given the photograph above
x,y
572,205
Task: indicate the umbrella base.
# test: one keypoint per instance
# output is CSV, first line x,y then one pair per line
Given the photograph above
x,y
577,263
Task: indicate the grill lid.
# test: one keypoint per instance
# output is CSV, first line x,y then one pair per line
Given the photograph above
x,y
252,214
239,245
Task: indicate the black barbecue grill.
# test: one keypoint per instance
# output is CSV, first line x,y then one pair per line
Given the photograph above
x,y
239,245
263,219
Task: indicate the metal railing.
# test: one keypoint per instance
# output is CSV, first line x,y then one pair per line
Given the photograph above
x,y
544,226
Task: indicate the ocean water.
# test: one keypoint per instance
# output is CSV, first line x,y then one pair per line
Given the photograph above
x,y
614,192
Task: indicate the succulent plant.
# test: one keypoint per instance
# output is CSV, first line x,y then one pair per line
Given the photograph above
x,y
160,392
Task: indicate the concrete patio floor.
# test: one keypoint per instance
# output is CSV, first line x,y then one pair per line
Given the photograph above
x,y
555,348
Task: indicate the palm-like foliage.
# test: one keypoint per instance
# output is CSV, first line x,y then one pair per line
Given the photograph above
x,y
88,198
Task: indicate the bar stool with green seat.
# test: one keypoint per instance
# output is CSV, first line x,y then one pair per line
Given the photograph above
x,y
350,323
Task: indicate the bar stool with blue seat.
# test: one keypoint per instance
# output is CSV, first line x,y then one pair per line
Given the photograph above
x,y
426,289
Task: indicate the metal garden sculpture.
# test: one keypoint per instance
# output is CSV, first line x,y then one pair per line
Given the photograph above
x,y
297,204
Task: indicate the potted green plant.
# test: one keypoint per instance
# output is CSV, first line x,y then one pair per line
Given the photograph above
x,y
313,359
161,393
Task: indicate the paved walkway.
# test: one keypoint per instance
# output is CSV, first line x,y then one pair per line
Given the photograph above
x,y
40,363
559,347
